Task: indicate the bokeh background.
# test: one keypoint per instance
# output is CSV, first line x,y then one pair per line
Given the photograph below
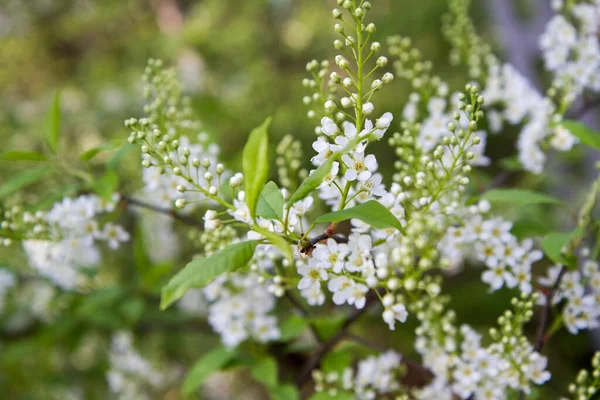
x,y
240,61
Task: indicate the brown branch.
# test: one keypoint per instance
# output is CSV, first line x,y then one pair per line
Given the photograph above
x,y
314,361
127,201
541,337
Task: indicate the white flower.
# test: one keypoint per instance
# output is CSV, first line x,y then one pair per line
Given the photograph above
x,y
341,287
313,295
114,235
359,166
395,313
563,140
329,127
332,255
323,149
312,274
383,124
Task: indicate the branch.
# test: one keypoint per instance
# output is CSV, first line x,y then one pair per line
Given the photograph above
x,y
316,358
544,319
127,201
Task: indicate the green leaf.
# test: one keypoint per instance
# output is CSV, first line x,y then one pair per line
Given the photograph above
x,y
210,363
587,135
284,392
270,202
22,156
107,185
201,272
554,243
53,124
511,164
93,152
133,309
265,372
292,327
329,325
255,164
372,212
519,197
277,241
336,361
23,179
526,228
114,162
339,396
313,181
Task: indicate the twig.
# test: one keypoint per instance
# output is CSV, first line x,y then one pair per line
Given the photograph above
x,y
316,358
544,319
126,201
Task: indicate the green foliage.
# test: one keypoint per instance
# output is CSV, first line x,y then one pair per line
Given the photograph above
x,y
270,203
337,396
201,272
292,327
106,185
210,363
255,164
371,212
587,135
312,182
519,197
276,240
24,179
554,244
53,124
336,361
22,156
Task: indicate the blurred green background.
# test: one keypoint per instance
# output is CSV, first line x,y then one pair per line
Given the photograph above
x,y
241,61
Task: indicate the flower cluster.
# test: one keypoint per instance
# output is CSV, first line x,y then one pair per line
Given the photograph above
x,y
463,367
68,236
581,309
512,98
176,169
508,261
239,309
129,372
586,385
571,48
375,377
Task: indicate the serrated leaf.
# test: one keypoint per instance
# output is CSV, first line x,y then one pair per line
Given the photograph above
x,y
265,372
519,197
586,135
554,243
277,241
270,202
22,156
23,179
53,124
203,271
372,212
210,363
313,181
255,164
284,392
292,327
107,185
